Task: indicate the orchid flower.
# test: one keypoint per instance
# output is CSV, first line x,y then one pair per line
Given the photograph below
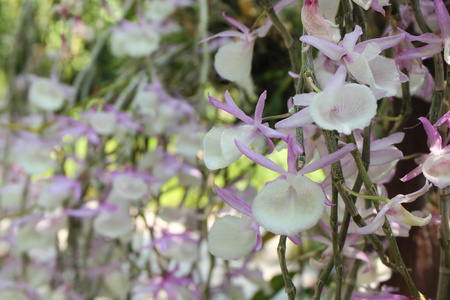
x,y
436,164
397,211
231,237
435,43
363,61
316,24
218,144
341,107
291,203
233,61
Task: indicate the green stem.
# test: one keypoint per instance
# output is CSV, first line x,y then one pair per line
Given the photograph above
x,y
281,251
288,40
401,268
406,109
415,4
334,224
321,280
439,89
203,34
339,182
444,241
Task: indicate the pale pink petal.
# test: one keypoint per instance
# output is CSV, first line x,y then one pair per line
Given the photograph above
x,y
298,119
387,141
351,38
383,43
228,33
413,196
260,107
330,49
354,253
239,25
443,17
328,160
433,135
413,173
384,156
231,109
337,81
233,200
421,52
259,159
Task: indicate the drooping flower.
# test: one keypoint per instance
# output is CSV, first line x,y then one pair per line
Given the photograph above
x,y
291,203
233,61
397,211
436,166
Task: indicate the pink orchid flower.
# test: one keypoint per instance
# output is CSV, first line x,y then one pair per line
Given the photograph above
x,y
397,211
363,61
233,61
341,107
435,43
436,166
292,203
218,144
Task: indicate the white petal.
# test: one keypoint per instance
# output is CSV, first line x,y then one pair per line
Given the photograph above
x,y
437,170
385,75
287,209
351,107
46,95
358,64
447,50
231,237
363,3
220,151
329,8
233,61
